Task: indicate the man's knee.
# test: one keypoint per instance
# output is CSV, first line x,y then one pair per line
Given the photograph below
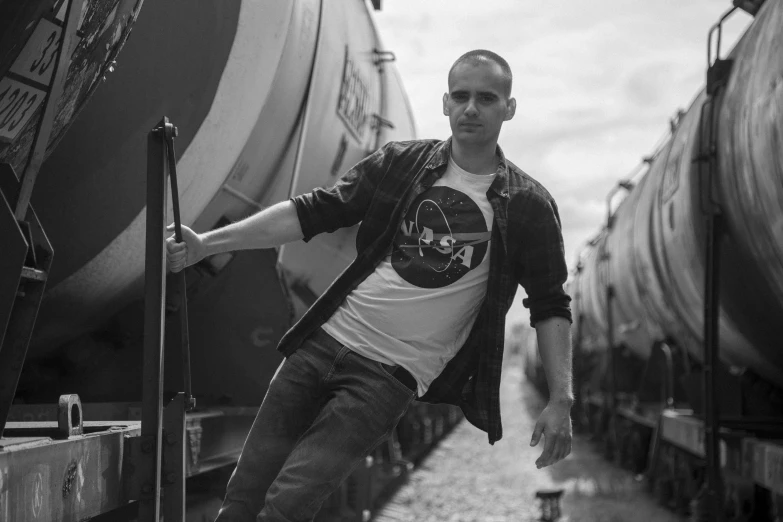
x,y
237,511
272,512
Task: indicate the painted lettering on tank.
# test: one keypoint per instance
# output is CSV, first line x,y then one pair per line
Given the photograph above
x,y
354,98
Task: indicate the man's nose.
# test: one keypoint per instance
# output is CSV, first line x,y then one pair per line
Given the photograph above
x,y
471,109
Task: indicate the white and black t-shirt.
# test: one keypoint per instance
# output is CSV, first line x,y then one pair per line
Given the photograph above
x,y
418,307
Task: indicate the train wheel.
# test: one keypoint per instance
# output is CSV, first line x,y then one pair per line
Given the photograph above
x,y
636,451
738,501
454,414
731,508
687,485
416,432
611,439
700,509
439,425
596,415
621,441
663,483
776,508
428,429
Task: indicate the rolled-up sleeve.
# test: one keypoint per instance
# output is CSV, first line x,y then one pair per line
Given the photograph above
x,y
541,268
345,203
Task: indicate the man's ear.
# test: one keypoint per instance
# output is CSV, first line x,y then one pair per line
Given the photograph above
x,y
511,109
445,105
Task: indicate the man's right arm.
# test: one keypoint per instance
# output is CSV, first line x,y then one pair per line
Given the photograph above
x,y
321,210
273,226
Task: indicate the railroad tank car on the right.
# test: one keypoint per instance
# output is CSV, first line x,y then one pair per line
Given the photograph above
x,y
639,289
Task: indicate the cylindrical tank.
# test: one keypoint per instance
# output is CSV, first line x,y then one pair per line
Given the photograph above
x,y
236,71
29,42
656,246
654,310
750,181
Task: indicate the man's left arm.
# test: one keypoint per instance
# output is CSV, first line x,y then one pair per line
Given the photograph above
x,y
554,345
542,271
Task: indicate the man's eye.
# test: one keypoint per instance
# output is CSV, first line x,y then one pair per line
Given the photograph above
x,y
488,98
459,97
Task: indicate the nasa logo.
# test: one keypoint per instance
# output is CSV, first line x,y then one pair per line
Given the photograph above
x,y
442,237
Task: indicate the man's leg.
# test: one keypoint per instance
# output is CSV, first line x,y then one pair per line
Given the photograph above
x,y
290,405
365,403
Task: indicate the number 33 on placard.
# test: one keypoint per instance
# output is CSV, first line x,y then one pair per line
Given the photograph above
x,y
36,61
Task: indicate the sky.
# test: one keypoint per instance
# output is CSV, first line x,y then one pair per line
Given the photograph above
x,y
596,83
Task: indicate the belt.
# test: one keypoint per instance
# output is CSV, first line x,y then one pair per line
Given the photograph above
x,y
402,375
399,373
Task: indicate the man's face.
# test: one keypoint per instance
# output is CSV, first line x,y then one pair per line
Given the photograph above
x,y
476,103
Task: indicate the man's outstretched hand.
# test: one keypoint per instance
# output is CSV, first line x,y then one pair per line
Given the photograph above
x,y
554,424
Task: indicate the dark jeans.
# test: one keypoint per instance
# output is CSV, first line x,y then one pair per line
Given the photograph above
x,y
325,410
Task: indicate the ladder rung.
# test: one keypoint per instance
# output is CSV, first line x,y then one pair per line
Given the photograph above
x,y
33,274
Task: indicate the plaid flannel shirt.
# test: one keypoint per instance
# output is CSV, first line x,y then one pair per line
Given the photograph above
x,y
526,248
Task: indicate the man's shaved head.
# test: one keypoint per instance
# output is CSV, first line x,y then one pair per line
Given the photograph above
x,y
480,56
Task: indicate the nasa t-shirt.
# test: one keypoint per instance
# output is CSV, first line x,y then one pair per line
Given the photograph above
x,y
417,309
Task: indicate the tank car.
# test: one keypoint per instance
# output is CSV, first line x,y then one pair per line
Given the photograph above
x,y
642,290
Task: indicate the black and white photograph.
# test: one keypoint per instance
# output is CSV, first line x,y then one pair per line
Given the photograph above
x,y
391,261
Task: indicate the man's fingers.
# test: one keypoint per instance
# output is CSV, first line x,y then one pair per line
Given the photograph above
x,y
539,429
560,449
177,256
175,253
554,455
549,447
176,248
177,264
173,246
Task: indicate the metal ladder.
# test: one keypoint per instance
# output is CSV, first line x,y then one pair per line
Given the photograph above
x,y
158,456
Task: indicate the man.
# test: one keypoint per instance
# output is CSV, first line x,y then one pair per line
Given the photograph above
x,y
448,231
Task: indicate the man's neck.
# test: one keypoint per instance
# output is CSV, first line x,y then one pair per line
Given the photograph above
x,y
480,159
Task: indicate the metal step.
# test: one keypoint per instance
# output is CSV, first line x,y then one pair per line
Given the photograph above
x,y
33,274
